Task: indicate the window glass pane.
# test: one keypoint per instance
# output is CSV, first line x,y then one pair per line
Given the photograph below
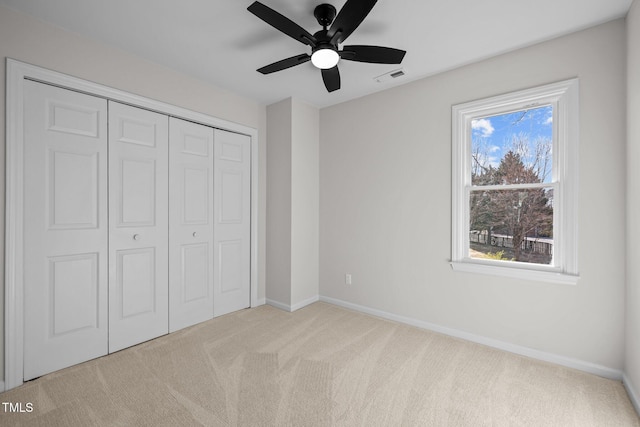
x,y
512,225
512,148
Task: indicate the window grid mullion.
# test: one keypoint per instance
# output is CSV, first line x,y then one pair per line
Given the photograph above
x,y
530,186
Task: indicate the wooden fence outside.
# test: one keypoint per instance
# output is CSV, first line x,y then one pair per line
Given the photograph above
x,y
530,244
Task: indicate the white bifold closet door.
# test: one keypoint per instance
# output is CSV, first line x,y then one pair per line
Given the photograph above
x,y
232,222
65,228
191,224
210,205
114,253
138,225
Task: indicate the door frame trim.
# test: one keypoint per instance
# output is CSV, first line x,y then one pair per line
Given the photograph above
x,y
17,73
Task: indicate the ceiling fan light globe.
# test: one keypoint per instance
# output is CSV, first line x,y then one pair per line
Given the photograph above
x,y
325,58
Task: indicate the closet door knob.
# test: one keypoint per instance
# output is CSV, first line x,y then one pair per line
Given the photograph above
x,y
136,237
195,234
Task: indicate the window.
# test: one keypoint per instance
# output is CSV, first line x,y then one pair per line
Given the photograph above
x,y
515,184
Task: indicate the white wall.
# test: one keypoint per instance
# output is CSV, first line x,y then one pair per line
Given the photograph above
x,y
279,202
32,41
305,207
632,359
385,204
292,204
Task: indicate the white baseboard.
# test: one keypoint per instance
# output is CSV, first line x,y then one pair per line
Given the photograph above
x,y
261,301
1,386
278,304
294,307
632,392
305,303
569,362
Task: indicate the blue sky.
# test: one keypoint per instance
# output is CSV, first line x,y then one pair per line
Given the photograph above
x,y
495,133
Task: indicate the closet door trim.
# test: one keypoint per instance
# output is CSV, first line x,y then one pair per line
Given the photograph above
x,y
16,73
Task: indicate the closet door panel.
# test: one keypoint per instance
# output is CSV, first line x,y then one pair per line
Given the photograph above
x,y
137,192
65,233
232,229
138,225
191,224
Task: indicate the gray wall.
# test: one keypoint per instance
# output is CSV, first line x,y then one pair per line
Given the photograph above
x,y
632,361
32,41
385,204
279,202
292,203
305,172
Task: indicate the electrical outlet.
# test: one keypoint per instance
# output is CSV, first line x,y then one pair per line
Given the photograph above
x,y
347,279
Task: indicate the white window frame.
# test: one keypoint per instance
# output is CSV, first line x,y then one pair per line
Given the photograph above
x,y
563,96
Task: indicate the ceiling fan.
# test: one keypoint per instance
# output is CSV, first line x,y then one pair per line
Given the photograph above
x,y
325,53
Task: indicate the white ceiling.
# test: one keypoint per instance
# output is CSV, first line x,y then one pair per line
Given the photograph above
x,y
220,42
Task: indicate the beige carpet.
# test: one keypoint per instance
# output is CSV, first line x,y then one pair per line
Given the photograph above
x,y
322,365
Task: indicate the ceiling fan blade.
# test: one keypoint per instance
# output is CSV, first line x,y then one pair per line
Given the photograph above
x,y
331,78
281,23
374,54
349,18
284,64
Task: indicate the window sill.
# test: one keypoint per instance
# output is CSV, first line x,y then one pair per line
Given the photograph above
x,y
549,276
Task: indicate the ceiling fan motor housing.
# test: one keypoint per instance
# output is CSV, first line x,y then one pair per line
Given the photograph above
x,y
323,41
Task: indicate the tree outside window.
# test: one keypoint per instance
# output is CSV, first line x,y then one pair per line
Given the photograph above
x,y
512,149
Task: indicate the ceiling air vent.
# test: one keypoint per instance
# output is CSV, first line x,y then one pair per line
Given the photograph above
x,y
389,76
